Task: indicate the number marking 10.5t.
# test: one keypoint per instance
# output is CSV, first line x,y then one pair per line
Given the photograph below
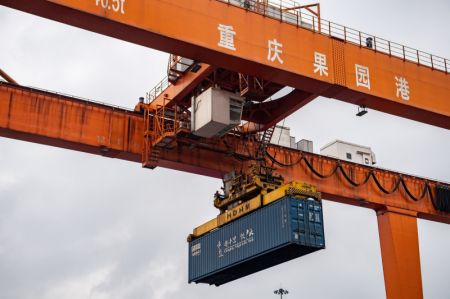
x,y
115,5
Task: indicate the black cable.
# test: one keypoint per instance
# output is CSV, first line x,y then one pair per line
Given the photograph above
x,y
410,194
353,183
377,182
371,173
282,164
317,173
442,202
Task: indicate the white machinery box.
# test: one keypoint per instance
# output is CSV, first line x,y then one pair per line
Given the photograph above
x,y
215,112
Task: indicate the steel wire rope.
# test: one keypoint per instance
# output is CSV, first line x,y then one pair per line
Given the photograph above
x,y
281,131
279,138
244,143
233,153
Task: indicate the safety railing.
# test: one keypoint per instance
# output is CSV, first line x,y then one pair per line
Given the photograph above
x,y
63,96
284,10
157,90
177,66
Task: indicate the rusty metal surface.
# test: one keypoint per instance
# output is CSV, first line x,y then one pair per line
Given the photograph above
x,y
46,118
144,22
59,120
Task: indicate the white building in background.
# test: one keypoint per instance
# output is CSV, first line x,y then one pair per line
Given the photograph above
x,y
282,137
350,152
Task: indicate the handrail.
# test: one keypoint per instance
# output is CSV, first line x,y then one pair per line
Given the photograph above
x,y
283,10
63,95
165,82
157,90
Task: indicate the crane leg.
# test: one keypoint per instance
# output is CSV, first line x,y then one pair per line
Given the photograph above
x,y
399,242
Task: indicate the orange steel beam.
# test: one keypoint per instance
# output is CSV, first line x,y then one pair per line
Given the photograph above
x,y
270,113
191,29
400,253
58,120
183,87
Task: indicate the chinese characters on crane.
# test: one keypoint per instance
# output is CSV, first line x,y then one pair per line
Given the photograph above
x,y
274,51
226,41
402,88
227,34
320,65
363,80
362,76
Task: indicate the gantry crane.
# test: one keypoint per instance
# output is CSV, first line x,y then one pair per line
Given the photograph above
x,y
297,48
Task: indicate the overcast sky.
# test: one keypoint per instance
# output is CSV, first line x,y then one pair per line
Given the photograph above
x,y
74,225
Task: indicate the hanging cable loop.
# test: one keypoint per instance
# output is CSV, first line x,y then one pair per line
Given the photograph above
x,y
422,195
350,181
370,174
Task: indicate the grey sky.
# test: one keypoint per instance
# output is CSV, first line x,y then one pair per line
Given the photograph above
x,y
74,225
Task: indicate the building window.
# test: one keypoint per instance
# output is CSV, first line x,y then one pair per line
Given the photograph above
x,y
349,156
366,160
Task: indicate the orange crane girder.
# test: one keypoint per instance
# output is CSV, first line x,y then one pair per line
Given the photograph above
x,y
399,241
173,93
53,119
62,121
355,73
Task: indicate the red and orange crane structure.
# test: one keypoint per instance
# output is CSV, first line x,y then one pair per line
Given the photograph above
x,y
254,48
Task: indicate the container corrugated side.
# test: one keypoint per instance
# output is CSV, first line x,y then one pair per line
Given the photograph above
x,y
279,232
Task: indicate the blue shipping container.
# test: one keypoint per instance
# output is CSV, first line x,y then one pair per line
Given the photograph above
x,y
279,232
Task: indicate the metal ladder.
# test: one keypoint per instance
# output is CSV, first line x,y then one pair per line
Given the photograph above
x,y
150,154
161,126
266,137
